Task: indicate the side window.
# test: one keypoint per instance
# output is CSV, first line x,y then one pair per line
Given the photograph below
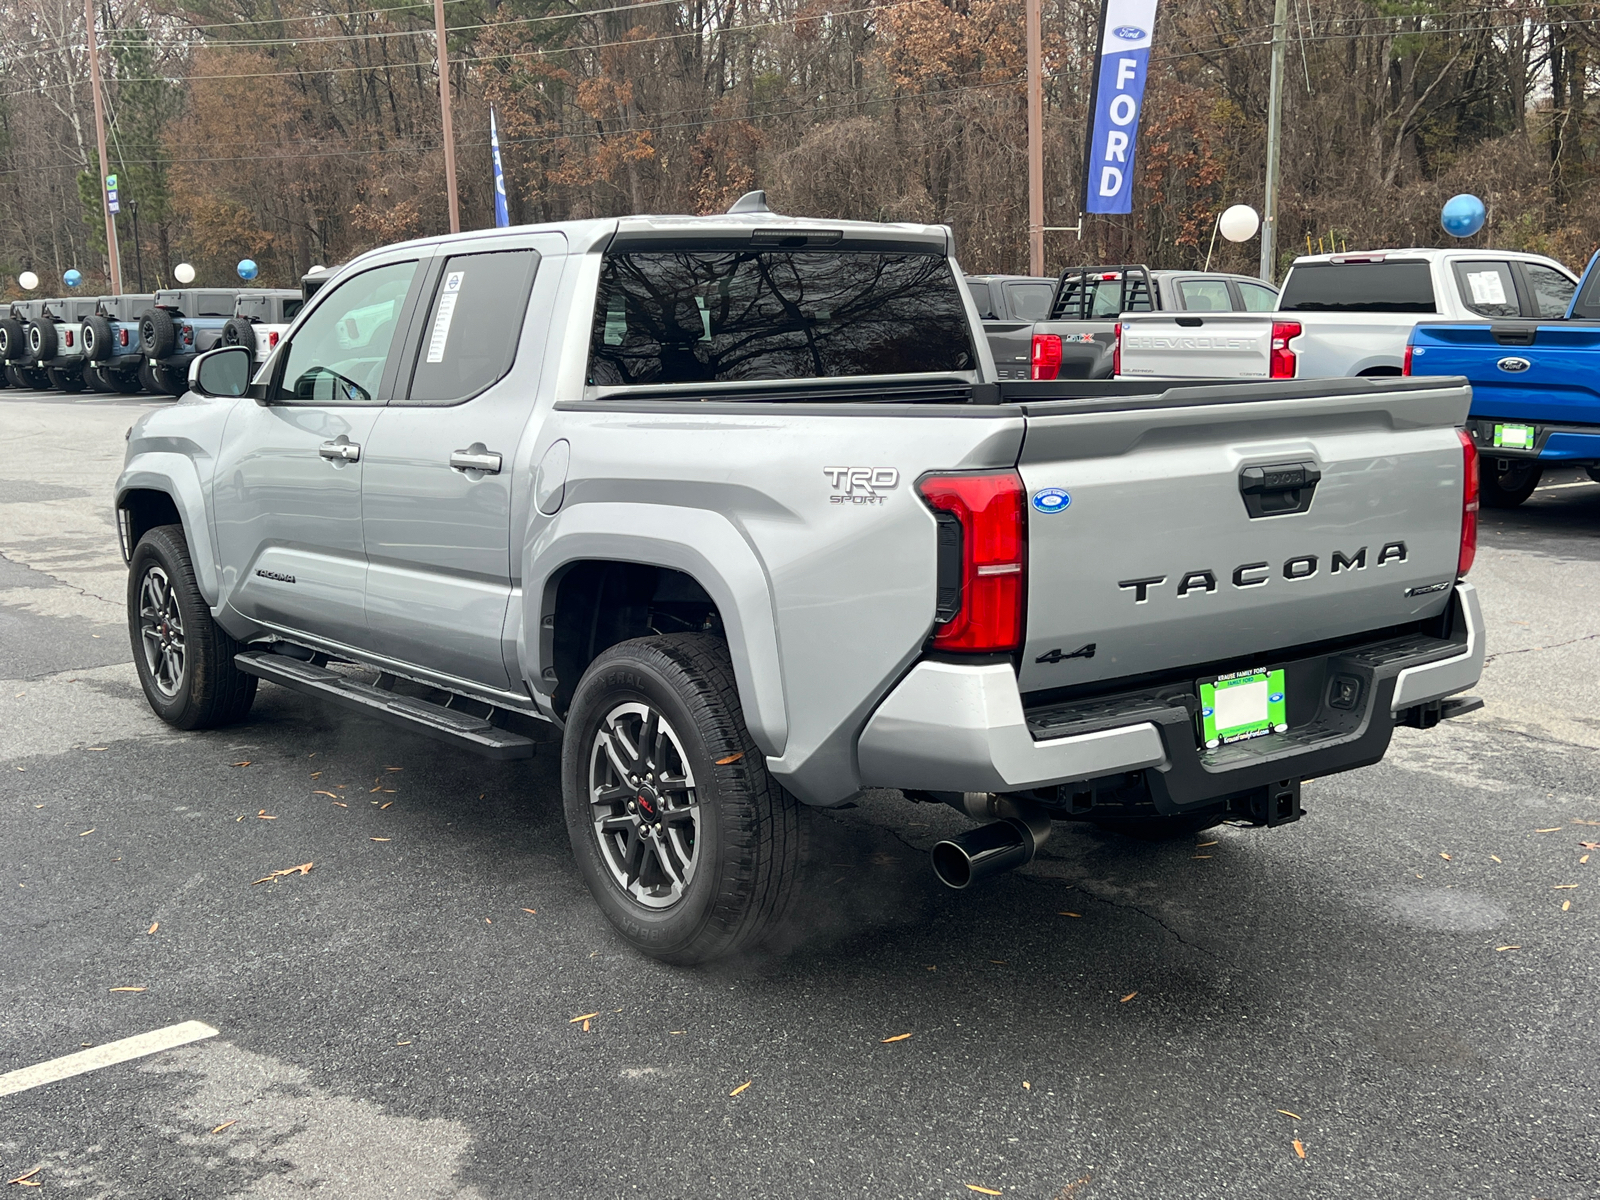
x,y
1486,288
981,300
1549,289
474,322
1030,301
1205,295
1258,298
337,356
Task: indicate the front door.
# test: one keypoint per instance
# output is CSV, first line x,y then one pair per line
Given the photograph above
x,y
440,467
288,482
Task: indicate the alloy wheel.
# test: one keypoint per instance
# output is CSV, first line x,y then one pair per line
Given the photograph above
x,y
161,631
643,805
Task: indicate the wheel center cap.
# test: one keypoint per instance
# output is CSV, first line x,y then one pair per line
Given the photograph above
x,y
648,802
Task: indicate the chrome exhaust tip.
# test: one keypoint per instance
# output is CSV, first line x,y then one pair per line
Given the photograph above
x,y
979,853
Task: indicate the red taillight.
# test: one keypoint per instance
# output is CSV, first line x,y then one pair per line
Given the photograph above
x,y
68,332
993,556
188,334
122,336
1283,358
1046,356
1405,367
1116,353
272,340
1469,504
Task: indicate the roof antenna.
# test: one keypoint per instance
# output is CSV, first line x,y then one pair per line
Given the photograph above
x,y
750,202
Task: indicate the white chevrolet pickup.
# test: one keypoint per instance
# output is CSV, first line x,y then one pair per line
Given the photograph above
x,y
1343,314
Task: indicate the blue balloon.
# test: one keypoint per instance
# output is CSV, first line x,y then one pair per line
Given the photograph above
x,y
1462,216
72,278
247,268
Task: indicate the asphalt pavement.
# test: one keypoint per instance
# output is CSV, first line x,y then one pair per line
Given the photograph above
x,y
1393,997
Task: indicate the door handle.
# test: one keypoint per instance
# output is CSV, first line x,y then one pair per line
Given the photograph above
x,y
343,451
475,459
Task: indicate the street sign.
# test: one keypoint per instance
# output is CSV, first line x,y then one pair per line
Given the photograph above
x,y
111,194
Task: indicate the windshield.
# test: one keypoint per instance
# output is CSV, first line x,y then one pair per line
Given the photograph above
x,y
726,316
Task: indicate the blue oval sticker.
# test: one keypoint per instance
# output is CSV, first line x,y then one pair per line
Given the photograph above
x,y
1051,500
1130,33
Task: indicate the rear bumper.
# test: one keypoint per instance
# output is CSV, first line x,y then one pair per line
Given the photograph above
x,y
954,727
1552,443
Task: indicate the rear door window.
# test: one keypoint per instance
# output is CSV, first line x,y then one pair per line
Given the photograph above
x,y
474,322
1487,288
1392,286
1205,295
1549,291
1029,301
708,316
982,300
1257,298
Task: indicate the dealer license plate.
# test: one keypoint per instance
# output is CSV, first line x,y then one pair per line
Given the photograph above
x,y
1243,704
1514,437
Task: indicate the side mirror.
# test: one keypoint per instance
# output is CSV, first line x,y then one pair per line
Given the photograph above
x,y
223,372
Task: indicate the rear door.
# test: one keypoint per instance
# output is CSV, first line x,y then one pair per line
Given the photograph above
x,y
1183,542
441,464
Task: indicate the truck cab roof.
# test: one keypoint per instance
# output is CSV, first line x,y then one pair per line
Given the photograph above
x,y
126,307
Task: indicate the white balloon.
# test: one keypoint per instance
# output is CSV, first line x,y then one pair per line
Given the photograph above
x,y
1239,223
183,273
28,280
315,269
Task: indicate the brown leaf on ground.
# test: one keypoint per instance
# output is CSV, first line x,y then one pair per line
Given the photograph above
x,y
1566,905
973,1187
1552,829
329,795
1071,1190
722,762
245,763
531,911
1299,1148
1445,856
381,807
899,1037
225,1125
1287,1113
340,804
394,768
127,989
302,869
87,832
1589,845
1203,845
23,1179
154,927
741,1087
585,1017
1069,914
1514,946
1563,887
380,839
1496,857
1128,997
586,1027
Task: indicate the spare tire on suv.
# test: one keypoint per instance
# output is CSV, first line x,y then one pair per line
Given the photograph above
x,y
13,339
41,339
158,333
97,338
239,332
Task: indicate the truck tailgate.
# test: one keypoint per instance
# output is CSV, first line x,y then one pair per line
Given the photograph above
x,y
1189,346
1181,543
1536,373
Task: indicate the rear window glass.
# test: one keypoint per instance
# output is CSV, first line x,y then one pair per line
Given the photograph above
x,y
1358,287
1486,288
1030,301
727,316
214,304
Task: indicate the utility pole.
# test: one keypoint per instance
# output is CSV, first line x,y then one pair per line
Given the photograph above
x,y
1269,208
444,113
138,259
1036,139
112,255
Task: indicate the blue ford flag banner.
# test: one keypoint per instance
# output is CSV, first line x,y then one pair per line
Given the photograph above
x,y
501,217
1125,30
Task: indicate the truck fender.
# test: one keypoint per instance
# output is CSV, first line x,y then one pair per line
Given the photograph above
x,y
703,545
174,474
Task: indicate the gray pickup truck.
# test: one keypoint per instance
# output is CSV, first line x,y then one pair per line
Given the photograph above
x,y
734,509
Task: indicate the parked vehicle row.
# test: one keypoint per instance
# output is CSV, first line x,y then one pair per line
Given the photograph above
x,y
131,343
738,510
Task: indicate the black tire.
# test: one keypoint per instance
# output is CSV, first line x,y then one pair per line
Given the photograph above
x,y
1161,829
36,378
239,332
64,379
94,380
162,381
745,841
42,339
205,689
13,339
158,333
1508,488
124,383
97,338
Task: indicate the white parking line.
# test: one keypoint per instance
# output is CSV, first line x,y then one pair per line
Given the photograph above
x,y
104,1056
1552,487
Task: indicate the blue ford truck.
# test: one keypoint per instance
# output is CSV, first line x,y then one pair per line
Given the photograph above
x,y
1535,387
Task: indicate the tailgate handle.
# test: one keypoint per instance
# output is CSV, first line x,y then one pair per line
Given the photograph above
x,y
1276,489
1190,322
1514,335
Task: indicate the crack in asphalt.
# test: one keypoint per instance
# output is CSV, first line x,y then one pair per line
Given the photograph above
x,y
1588,637
59,582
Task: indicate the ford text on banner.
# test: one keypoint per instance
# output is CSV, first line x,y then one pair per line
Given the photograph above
x,y
501,217
1125,30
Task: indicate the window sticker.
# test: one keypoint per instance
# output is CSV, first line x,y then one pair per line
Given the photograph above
x,y
1487,287
447,312
616,320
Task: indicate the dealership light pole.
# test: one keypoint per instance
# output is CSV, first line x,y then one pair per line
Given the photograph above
x,y
1035,140
1269,207
444,114
112,255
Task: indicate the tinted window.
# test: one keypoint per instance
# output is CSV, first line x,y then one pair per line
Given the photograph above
x,y
213,304
981,299
710,316
1358,287
1551,290
1030,301
474,322
337,356
1258,298
1205,295
1486,288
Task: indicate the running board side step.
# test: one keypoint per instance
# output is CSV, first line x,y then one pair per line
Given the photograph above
x,y
465,730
